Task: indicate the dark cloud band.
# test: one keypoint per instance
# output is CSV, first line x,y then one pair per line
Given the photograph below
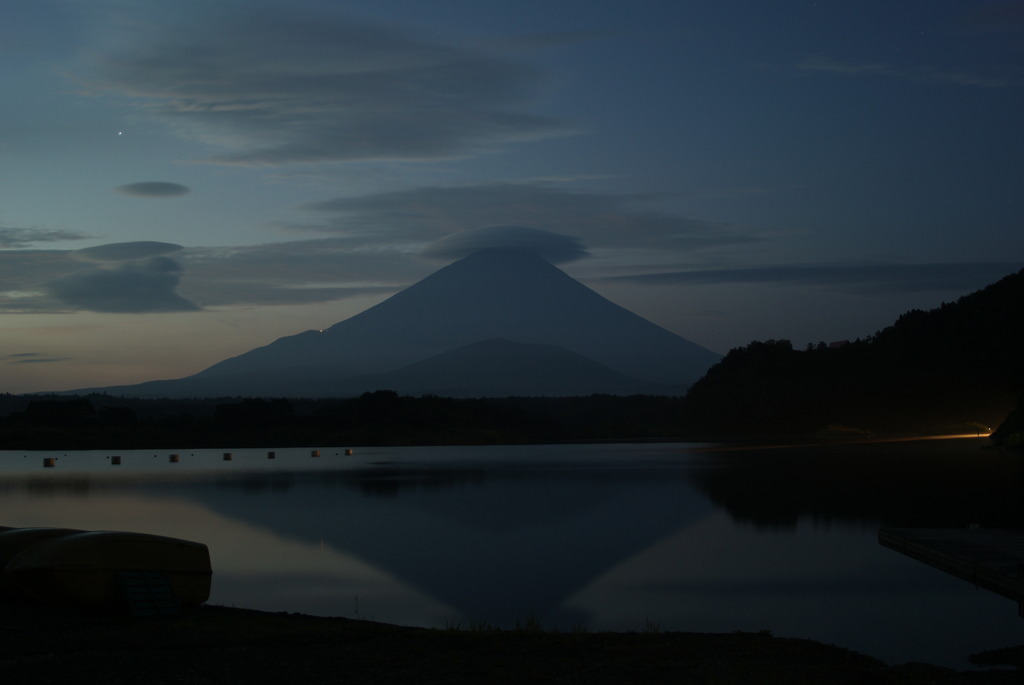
x,y
133,287
602,220
23,237
553,247
153,189
32,358
119,252
863,278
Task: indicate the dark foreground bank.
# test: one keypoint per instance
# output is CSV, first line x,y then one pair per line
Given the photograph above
x,y
212,644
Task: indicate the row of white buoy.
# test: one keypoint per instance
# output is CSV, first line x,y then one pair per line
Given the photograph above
x,y
115,460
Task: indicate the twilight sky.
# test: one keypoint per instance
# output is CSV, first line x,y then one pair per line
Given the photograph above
x,y
182,182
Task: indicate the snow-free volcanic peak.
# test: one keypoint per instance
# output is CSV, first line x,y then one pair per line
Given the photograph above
x,y
493,294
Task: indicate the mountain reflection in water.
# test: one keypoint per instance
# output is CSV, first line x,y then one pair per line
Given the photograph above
x,y
621,537
494,546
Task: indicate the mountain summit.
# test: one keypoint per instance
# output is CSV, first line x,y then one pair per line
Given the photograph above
x,y
507,295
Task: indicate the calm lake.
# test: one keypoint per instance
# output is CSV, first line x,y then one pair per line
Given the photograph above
x,y
618,537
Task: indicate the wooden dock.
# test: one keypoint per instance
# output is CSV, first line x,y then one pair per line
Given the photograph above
x,y
989,558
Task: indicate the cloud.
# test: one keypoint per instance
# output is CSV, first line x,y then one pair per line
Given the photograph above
x,y
296,272
554,247
276,86
134,287
601,220
919,74
372,245
859,278
46,280
23,275
23,237
153,189
117,252
32,358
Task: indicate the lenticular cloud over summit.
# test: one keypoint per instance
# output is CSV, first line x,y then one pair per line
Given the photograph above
x,y
554,247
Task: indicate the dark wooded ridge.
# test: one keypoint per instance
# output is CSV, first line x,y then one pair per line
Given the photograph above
x,y
956,368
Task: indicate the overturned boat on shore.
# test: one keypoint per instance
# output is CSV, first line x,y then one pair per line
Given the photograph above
x,y
14,541
108,570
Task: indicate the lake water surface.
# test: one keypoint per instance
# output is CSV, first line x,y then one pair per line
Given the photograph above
x,y
596,537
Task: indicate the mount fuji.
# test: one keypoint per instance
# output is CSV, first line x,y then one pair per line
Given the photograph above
x,y
498,322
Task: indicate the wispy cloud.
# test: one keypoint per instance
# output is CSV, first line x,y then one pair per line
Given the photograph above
x,y
554,247
32,358
295,272
860,278
119,252
274,86
11,237
370,244
140,277
23,275
421,215
157,189
1007,78
373,243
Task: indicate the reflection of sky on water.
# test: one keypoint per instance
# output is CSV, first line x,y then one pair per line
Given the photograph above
x,y
608,537
838,586
253,567
449,536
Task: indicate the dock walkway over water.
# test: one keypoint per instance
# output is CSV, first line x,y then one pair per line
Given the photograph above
x,y
989,558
